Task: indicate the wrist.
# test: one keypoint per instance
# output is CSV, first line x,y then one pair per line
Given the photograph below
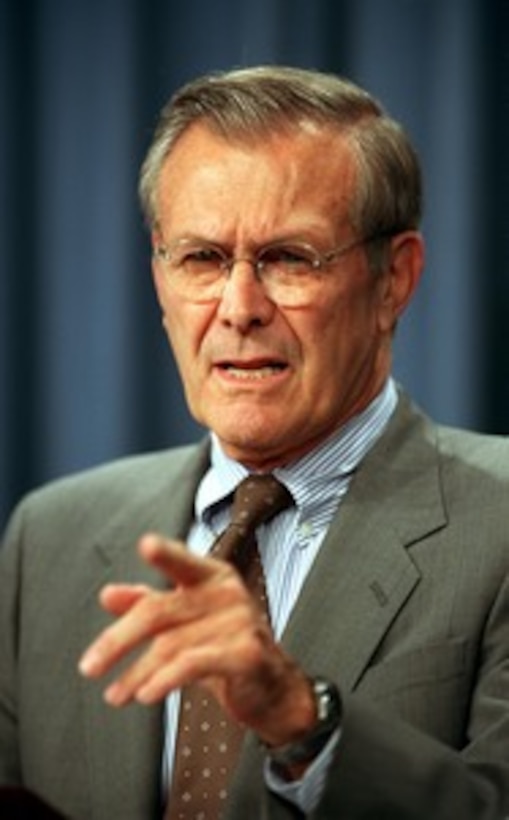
x,y
296,755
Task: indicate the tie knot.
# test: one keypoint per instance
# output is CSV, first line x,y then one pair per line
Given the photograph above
x,y
257,499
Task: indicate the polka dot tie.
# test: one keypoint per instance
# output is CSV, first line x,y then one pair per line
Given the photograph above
x,y
208,742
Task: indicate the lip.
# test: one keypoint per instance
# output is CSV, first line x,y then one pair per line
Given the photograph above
x,y
256,371
254,363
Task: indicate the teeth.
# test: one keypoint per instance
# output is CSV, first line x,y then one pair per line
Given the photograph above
x,y
254,373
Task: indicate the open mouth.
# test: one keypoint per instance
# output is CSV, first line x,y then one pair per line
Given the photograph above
x,y
253,369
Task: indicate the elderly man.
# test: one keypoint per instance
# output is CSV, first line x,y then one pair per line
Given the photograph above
x,y
344,653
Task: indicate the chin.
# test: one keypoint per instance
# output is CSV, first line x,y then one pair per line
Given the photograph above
x,y
244,433
256,445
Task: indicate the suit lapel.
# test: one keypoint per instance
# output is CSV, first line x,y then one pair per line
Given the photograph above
x,y
350,597
364,573
123,746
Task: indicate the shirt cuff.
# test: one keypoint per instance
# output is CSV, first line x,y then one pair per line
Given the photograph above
x,y
306,792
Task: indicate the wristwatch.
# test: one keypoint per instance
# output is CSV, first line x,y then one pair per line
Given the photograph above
x,y
329,711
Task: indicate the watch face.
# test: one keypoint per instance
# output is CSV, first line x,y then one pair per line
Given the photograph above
x,y
328,701
323,699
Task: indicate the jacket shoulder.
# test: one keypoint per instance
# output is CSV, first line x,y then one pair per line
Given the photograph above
x,y
125,489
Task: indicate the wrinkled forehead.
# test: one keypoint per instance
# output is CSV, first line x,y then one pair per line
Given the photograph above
x,y
314,150
304,176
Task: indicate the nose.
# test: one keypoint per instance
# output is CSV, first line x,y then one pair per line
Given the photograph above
x,y
244,302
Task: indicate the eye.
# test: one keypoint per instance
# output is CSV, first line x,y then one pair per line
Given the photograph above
x,y
289,258
199,259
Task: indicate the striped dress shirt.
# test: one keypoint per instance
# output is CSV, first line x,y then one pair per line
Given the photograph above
x,y
289,543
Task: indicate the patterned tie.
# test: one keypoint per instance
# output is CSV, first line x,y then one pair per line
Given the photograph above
x,y
208,742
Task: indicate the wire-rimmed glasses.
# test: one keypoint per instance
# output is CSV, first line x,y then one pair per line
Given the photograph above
x,y
291,272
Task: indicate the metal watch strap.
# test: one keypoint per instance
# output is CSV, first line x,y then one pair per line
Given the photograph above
x,y
328,710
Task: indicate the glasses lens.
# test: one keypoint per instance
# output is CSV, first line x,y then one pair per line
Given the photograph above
x,y
290,261
290,272
195,271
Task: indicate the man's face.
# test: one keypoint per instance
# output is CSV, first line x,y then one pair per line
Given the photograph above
x,y
272,381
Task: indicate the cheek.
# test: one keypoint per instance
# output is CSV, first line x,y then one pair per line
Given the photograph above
x,y
186,327
184,340
338,333
184,323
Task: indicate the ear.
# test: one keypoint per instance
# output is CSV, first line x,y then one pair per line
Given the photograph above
x,y
401,278
155,241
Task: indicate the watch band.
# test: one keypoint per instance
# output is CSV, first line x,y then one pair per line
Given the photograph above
x,y
329,711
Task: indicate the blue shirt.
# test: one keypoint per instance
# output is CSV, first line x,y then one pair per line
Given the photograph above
x,y
289,543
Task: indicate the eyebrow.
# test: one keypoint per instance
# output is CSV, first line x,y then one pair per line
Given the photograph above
x,y
281,239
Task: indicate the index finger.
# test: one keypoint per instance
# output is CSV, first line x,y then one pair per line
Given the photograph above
x,y
150,611
176,562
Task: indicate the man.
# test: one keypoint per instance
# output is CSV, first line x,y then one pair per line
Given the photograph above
x,y
284,210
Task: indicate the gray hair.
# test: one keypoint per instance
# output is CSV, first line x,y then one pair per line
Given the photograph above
x,y
251,103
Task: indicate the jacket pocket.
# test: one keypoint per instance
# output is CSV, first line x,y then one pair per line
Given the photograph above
x,y
428,686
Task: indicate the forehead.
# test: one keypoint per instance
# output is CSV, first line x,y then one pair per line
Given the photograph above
x,y
309,148
302,170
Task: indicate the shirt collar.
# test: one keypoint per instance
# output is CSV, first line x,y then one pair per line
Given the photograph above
x,y
333,459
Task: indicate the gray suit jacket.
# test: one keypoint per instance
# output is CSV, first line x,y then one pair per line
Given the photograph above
x,y
406,607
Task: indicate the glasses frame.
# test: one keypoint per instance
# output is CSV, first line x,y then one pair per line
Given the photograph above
x,y
319,260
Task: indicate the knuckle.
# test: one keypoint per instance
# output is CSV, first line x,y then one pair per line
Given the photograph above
x,y
153,612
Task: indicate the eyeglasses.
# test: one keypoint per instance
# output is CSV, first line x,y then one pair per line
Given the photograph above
x,y
291,272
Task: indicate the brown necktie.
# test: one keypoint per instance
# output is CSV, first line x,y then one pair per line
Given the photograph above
x,y
208,742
